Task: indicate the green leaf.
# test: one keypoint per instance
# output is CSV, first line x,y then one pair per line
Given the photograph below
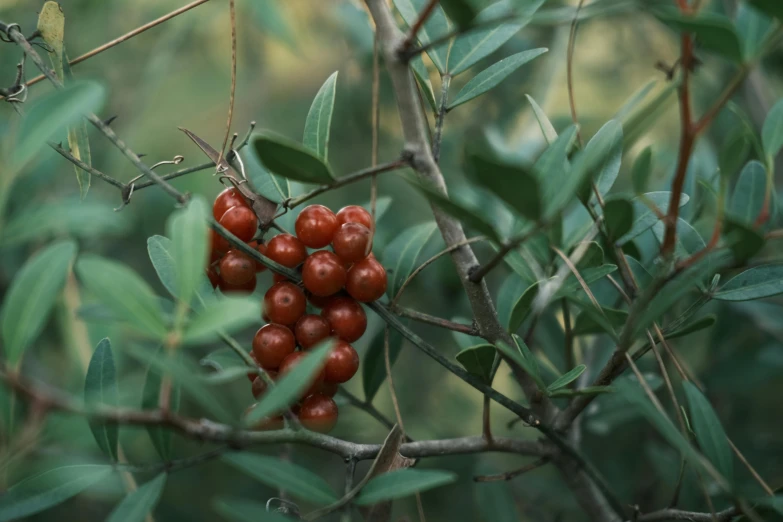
x,y
222,360
743,240
188,232
496,502
241,510
567,378
423,78
458,210
100,387
160,250
522,358
222,315
31,296
748,197
319,118
547,129
512,183
461,12
642,168
552,168
69,217
402,253
374,364
48,489
481,42
734,152
186,373
402,483
645,218
589,275
281,474
694,326
290,159
150,396
591,322
753,28
289,388
689,241
772,132
493,75
124,293
709,432
756,283
586,391
640,274
713,31
609,168
273,187
49,117
436,26
772,7
78,140
618,217
138,504
478,360
523,307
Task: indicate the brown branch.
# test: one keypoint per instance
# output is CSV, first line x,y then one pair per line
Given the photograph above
x,y
665,515
512,474
480,272
417,25
435,321
233,17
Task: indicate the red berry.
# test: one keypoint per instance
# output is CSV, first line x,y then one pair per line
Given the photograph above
x,y
328,388
261,249
218,245
346,317
240,221
271,344
311,330
286,250
230,197
246,288
260,386
366,280
352,242
284,303
323,273
236,268
315,226
354,214
317,300
267,423
342,363
291,361
252,375
213,276
318,413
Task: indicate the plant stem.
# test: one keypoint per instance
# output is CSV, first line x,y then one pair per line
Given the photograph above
x,y
440,118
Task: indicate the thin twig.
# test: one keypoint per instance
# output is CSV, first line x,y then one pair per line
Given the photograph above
x,y
230,116
440,117
392,391
570,71
512,474
435,321
417,25
480,272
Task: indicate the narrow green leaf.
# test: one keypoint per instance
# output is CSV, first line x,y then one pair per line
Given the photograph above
x,y
689,241
31,296
547,129
281,474
567,378
319,118
514,184
772,7
481,42
642,168
593,256
713,31
645,218
273,187
522,307
51,115
586,391
461,12
526,362
618,217
150,397
423,78
48,489
78,140
609,168
160,250
241,510
493,75
186,373
478,360
436,26
709,432
402,253
573,286
289,388
640,274
753,27
187,229
591,322
220,316
402,483
290,159
373,362
124,293
772,132
68,217
699,324
755,283
743,240
748,197
138,504
100,388
734,152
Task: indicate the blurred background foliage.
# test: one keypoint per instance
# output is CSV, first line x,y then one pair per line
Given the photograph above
x,y
177,75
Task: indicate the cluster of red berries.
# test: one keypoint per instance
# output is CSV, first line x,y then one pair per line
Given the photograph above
x,y
334,281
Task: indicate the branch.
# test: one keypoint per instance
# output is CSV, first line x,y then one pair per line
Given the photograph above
x,y
512,474
678,514
435,321
481,271
417,25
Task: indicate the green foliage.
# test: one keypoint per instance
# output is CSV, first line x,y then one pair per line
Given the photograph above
x,y
187,230
567,378
754,283
290,159
31,297
138,504
709,432
715,32
401,483
100,389
319,119
241,510
150,397
772,133
225,315
522,357
403,254
771,7
748,197
436,26
512,183
478,360
374,365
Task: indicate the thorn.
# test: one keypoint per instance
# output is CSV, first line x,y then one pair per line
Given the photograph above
x,y
108,121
